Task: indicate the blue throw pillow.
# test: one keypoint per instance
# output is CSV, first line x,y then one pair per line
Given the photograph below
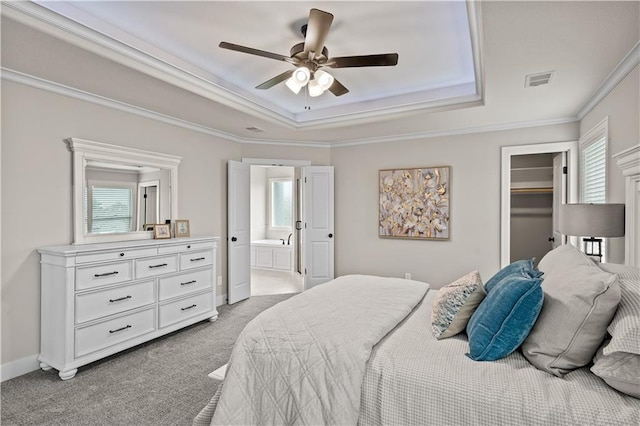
x,y
505,317
518,267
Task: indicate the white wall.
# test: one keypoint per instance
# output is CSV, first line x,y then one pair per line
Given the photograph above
x,y
475,204
622,106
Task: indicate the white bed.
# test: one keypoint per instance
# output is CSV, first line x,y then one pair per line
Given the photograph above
x,y
407,377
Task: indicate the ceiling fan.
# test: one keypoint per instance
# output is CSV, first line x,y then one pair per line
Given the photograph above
x,y
310,56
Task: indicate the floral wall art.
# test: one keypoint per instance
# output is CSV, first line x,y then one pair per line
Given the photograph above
x,y
414,203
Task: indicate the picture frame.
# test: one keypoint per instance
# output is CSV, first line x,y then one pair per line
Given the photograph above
x,y
148,226
182,228
161,231
414,203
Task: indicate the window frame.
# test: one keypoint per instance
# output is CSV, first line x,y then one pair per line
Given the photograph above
x,y
132,186
597,134
270,204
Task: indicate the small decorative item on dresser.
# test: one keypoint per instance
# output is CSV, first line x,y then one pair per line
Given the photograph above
x,y
161,231
182,228
148,226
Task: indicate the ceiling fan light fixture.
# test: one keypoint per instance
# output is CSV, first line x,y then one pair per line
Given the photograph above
x,y
324,79
302,75
293,85
315,88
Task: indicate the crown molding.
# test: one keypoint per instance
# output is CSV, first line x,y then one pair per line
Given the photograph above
x,y
624,67
60,89
185,76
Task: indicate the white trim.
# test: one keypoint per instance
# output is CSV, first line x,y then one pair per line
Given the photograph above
x,y
49,86
19,367
165,67
276,162
624,67
84,150
571,148
629,162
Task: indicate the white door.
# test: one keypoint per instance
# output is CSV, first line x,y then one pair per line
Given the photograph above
x,y
238,231
559,196
318,225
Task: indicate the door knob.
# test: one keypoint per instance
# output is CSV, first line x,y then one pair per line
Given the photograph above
x,y
330,235
234,239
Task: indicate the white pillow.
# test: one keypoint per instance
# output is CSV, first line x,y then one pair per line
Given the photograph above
x,y
620,370
454,304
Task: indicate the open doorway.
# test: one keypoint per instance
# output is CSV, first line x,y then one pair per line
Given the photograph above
x,y
536,179
275,243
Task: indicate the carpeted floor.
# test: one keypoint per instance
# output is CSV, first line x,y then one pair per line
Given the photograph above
x,y
163,382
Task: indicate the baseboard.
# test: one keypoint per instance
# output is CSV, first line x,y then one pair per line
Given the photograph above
x,y
221,299
19,367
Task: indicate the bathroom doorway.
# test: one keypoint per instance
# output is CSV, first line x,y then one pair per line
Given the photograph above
x,y
275,243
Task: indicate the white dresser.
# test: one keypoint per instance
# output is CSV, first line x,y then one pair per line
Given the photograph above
x,y
99,299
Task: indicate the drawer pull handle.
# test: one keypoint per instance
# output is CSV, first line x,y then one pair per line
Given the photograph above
x,y
119,329
121,254
188,247
157,266
188,307
119,299
188,282
106,274
198,258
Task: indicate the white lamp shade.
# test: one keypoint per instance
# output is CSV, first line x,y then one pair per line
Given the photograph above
x,y
324,79
592,220
315,89
301,75
293,85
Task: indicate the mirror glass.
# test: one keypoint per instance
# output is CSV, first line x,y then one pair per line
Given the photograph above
x,y
124,198
120,192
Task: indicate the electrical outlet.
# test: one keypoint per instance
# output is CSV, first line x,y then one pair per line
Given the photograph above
x,y
407,275
219,283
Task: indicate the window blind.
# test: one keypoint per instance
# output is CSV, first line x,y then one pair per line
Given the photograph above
x,y
111,210
593,168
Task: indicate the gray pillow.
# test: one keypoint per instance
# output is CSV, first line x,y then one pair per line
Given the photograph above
x,y
620,370
579,302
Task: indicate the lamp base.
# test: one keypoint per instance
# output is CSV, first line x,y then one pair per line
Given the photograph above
x,y
593,247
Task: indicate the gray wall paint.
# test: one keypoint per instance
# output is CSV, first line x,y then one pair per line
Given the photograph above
x,y
475,204
35,162
36,189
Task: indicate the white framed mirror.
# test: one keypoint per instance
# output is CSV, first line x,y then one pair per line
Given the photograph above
x,y
119,191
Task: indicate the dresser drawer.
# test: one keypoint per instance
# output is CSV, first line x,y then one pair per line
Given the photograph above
x,y
116,255
186,308
183,284
185,247
156,266
108,333
97,304
195,259
98,275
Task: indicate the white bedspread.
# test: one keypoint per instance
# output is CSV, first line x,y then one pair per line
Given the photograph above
x,y
303,361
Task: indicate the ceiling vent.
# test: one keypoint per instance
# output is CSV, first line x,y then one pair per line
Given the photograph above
x,y
255,129
533,80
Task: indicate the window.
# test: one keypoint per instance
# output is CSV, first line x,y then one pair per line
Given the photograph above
x,y
593,168
281,203
111,207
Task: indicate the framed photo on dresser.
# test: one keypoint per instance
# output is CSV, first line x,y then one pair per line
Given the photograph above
x,y
162,230
182,228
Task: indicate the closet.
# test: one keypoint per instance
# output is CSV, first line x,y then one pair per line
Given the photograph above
x,y
532,201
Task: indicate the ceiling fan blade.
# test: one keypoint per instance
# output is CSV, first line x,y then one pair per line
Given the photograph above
x,y
317,31
382,60
253,51
337,88
275,80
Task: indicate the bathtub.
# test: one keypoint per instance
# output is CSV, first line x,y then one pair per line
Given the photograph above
x,y
271,254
